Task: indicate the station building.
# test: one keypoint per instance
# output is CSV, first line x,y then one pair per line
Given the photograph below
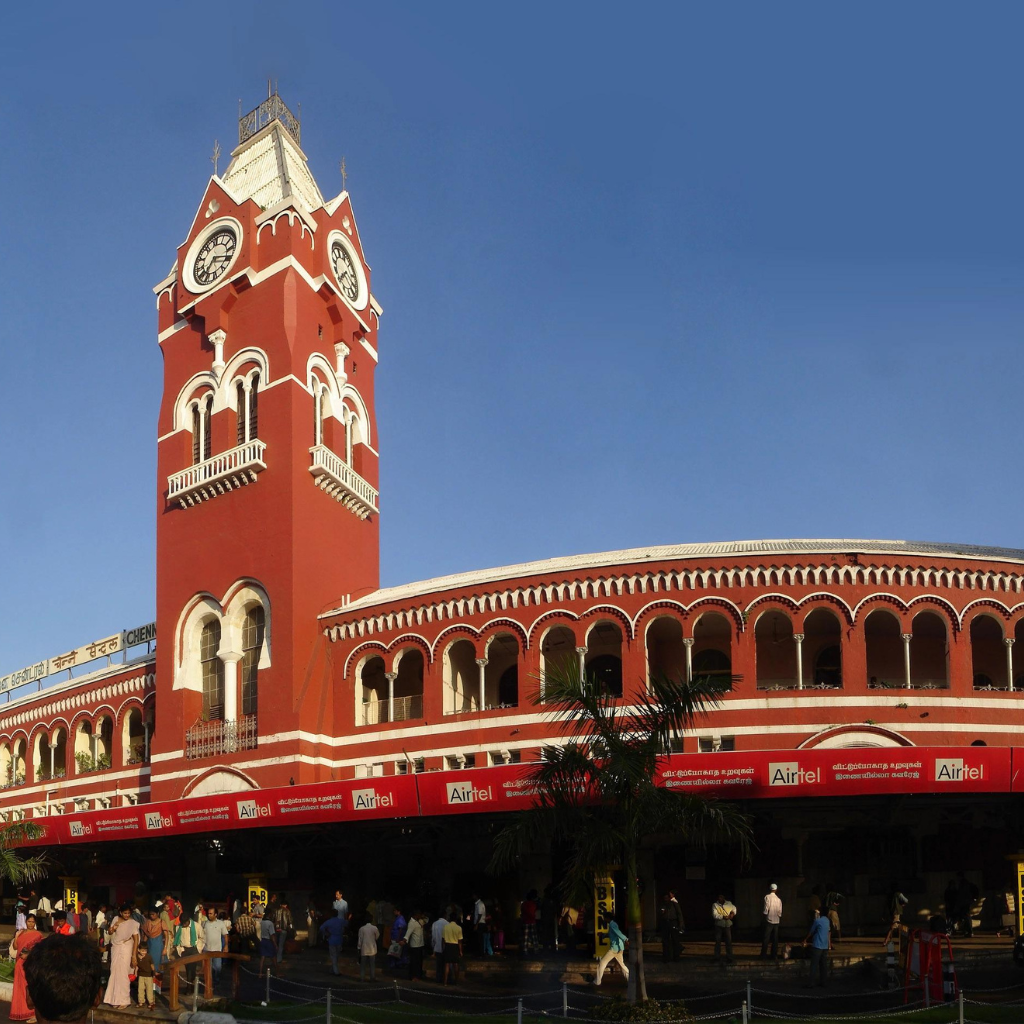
x,y
296,720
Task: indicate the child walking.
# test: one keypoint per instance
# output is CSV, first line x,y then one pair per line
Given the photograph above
x,y
145,971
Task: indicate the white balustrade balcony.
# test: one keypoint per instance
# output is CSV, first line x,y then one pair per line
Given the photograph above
x,y
338,479
375,712
213,738
224,472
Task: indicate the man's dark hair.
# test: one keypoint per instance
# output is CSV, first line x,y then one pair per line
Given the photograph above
x,y
64,974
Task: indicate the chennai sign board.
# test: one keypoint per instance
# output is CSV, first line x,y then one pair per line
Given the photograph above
x,y
122,641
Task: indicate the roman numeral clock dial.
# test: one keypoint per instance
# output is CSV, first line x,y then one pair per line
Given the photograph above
x,y
215,256
344,271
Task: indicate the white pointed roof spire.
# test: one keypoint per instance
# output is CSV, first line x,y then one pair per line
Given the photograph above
x,y
268,165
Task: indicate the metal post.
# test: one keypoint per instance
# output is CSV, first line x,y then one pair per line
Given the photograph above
x,y
927,979
750,997
328,1006
268,987
961,1001
398,995
743,1010
565,1002
195,994
519,1012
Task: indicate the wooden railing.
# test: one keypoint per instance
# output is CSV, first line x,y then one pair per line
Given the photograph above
x,y
173,966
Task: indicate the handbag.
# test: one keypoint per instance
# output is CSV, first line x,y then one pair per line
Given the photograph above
x,y
12,950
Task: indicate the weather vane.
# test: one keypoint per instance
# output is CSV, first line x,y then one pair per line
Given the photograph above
x,y
215,159
344,175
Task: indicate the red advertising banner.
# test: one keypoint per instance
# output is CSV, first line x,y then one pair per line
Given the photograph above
x,y
731,775
842,771
382,797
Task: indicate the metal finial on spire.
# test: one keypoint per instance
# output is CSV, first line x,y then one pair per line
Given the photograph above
x,y
344,175
215,159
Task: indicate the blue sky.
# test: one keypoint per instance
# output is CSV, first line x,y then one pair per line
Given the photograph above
x,y
651,273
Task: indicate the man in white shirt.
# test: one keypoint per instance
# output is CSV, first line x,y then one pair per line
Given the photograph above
x,y
366,943
437,944
772,917
215,938
723,913
414,941
42,912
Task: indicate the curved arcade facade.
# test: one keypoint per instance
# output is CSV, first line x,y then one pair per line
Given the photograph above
x,y
287,689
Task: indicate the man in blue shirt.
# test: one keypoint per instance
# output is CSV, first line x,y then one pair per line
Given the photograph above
x,y
820,940
618,942
333,929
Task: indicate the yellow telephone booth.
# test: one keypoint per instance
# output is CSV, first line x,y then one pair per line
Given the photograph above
x,y
604,911
257,891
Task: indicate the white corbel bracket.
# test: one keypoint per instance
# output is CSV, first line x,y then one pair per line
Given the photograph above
x,y
217,339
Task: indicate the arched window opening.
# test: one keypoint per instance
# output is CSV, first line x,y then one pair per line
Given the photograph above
x,y
207,440
240,416
253,630
197,435
374,683
883,644
501,673
822,650
408,699
712,648
135,738
713,665
85,756
6,767
50,755
988,654
213,672
254,407
318,414
929,653
557,652
666,655
103,745
18,762
603,660
775,652
461,689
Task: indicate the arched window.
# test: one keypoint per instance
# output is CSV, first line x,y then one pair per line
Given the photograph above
x,y
207,412
213,672
247,410
197,435
252,648
240,413
318,415
254,416
714,665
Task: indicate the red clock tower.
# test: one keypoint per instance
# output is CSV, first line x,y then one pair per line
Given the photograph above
x,y
267,467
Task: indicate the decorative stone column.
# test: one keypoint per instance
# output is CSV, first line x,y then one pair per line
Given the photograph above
x,y
482,667
907,637
391,677
688,645
230,660
1009,641
799,638
582,652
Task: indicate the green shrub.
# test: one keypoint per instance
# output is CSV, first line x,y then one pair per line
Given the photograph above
x,y
619,1010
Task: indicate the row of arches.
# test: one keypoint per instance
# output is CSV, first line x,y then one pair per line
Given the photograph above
x,y
485,673
58,751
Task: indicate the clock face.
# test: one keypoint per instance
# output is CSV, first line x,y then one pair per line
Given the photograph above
x,y
215,256
344,271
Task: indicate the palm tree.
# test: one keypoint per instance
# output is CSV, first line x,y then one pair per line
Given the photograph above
x,y
597,793
13,866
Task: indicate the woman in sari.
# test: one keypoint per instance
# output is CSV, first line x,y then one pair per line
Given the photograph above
x,y
23,942
124,941
153,931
